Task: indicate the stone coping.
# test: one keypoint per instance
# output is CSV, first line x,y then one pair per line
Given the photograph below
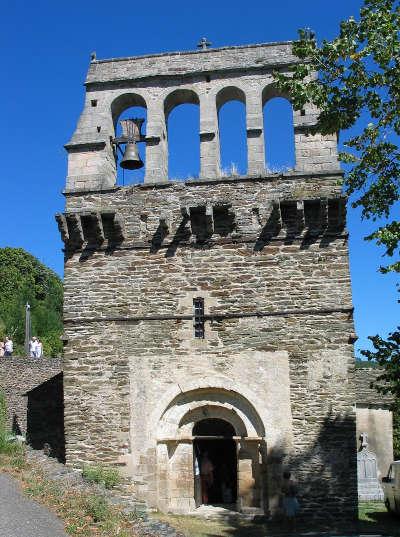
x,y
178,65
170,183
43,360
188,52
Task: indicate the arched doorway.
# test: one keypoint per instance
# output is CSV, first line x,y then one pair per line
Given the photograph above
x,y
215,462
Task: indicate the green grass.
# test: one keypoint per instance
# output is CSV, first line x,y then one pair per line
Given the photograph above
x,y
374,518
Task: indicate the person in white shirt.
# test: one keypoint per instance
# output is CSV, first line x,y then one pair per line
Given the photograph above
x,y
39,348
8,346
32,347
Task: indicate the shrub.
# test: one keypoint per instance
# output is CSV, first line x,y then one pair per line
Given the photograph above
x,y
104,475
8,446
97,508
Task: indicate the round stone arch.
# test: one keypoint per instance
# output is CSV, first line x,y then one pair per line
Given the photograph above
x,y
231,405
206,411
270,92
229,93
124,101
286,122
217,382
177,97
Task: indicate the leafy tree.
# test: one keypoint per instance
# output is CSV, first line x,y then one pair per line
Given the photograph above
x,y
24,279
358,87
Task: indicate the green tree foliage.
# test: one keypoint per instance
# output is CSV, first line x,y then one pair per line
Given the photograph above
x,y
24,279
358,85
387,355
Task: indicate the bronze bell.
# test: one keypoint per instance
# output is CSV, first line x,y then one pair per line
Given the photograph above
x,y
131,159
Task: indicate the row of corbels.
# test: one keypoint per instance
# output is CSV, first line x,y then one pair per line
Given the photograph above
x,y
96,227
294,215
318,213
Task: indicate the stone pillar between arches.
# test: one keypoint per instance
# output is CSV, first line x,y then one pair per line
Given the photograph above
x,y
156,146
255,135
210,160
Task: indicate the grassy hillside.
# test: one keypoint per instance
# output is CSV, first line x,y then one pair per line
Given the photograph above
x,y
24,279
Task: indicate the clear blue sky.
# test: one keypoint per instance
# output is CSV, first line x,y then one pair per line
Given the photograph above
x,y
45,49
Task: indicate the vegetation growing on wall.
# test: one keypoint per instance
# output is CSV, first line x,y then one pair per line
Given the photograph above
x,y
107,476
24,279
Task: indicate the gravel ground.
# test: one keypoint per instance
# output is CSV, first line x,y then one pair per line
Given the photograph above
x,y
23,517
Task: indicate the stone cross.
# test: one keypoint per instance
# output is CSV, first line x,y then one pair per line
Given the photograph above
x,y
204,44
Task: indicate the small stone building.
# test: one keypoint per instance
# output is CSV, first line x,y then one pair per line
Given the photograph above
x,y
213,316
33,389
374,430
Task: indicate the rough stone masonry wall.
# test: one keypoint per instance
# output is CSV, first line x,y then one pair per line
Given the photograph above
x,y
18,376
128,314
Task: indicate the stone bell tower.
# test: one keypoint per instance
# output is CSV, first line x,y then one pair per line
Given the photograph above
x,y
208,318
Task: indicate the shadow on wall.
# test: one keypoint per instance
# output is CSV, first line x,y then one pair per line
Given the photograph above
x,y
45,417
327,483
326,469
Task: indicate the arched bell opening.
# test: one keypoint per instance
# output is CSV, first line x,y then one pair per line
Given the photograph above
x,y
182,119
129,114
231,108
278,132
215,463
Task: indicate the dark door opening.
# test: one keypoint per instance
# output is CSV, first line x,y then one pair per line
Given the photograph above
x,y
215,462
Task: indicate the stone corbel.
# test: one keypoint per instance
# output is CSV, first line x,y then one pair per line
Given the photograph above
x,y
185,212
165,223
300,215
342,213
75,229
277,213
324,212
62,227
97,227
337,213
209,219
119,228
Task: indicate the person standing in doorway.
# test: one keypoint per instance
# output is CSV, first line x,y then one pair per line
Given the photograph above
x,y
8,346
207,477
